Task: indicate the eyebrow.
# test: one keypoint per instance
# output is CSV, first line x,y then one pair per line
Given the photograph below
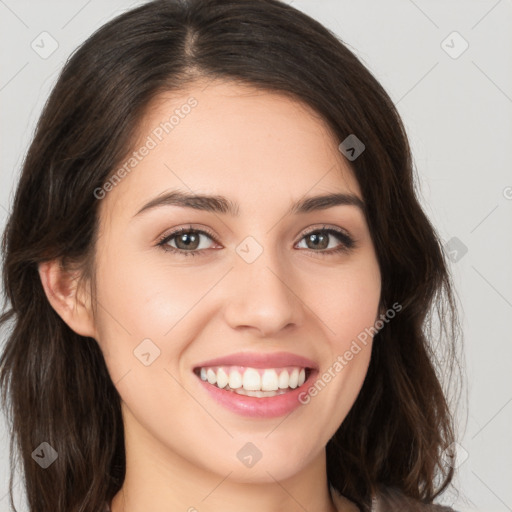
x,y
221,204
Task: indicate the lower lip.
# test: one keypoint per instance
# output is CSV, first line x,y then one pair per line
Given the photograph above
x,y
266,407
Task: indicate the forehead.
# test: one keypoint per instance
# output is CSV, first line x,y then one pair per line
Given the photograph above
x,y
257,147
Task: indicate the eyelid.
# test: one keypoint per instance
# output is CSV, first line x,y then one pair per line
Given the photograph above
x,y
322,227
175,232
304,232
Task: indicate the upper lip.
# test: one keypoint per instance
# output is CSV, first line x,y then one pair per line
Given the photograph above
x,y
260,360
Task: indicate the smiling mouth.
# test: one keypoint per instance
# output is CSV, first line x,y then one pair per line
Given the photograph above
x,y
255,382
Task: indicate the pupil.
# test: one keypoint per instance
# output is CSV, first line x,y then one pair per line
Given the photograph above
x,y
188,239
315,238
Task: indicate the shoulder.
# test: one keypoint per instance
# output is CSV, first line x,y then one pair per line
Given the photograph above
x,y
388,499
340,502
391,499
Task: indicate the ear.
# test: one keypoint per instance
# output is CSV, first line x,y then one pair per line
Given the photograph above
x,y
61,288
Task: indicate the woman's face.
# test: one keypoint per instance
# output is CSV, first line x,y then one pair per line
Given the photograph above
x,y
258,278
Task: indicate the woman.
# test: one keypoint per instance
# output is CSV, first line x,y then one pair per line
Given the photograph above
x,y
220,279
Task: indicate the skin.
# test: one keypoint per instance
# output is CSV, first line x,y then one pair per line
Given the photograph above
x,y
264,151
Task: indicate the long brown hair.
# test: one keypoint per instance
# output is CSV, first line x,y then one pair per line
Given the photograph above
x,y
55,384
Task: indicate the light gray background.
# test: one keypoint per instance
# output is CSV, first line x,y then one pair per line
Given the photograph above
x,y
458,113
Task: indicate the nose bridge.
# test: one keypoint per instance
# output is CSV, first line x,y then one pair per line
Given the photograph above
x,y
262,289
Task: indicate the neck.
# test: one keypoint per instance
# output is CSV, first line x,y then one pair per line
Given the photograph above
x,y
166,482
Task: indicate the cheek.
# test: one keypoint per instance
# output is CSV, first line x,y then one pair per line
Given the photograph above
x,y
349,303
348,309
139,297
149,312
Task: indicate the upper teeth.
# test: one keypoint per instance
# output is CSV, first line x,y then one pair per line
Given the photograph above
x,y
254,379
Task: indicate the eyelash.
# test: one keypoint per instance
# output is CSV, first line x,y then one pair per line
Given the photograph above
x,y
347,242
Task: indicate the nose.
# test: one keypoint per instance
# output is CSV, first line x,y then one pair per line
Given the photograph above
x,y
262,297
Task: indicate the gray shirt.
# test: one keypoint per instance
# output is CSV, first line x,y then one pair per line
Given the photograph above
x,y
389,500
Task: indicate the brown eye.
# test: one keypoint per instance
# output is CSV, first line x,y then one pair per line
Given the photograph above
x,y
187,241
320,241
317,240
